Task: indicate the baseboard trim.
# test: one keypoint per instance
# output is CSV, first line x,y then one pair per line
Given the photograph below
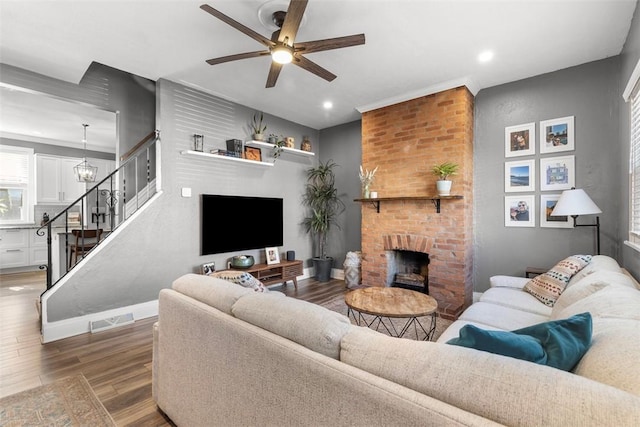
x,y
53,331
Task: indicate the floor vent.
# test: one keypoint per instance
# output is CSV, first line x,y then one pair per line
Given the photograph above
x,y
111,322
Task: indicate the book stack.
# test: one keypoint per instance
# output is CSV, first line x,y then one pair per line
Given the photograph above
x,y
227,153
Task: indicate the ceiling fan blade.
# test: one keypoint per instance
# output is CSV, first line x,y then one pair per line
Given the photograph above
x,y
235,57
274,72
292,20
312,67
238,26
328,44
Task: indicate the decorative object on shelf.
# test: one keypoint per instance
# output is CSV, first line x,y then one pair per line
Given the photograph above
x,y
444,171
242,261
235,145
576,202
226,153
366,178
258,127
373,194
290,142
277,147
291,255
272,139
306,144
272,255
253,153
208,268
198,142
84,171
321,196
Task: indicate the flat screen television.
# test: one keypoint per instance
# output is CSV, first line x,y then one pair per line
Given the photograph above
x,y
237,223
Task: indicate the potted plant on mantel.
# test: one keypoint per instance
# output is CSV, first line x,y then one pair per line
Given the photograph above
x,y
321,196
257,127
444,171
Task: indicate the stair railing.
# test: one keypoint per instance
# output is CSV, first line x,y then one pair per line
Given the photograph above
x,y
107,198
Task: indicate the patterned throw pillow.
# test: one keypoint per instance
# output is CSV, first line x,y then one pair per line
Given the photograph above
x,y
548,286
241,278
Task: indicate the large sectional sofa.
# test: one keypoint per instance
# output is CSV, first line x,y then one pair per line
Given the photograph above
x,y
225,355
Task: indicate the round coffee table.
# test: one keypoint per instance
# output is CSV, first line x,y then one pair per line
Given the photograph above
x,y
388,303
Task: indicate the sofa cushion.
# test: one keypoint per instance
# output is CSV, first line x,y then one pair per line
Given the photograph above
x,y
560,344
515,298
611,301
548,286
613,356
598,263
215,292
241,278
500,316
307,324
588,285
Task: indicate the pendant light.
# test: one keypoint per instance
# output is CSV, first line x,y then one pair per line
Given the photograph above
x,y
84,171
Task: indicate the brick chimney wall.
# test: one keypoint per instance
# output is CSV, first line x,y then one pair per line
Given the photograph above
x,y
405,141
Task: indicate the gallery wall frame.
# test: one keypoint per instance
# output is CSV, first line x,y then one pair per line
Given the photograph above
x,y
557,135
520,140
547,203
519,211
520,176
557,173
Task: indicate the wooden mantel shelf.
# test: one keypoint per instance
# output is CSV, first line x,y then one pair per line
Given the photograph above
x,y
435,199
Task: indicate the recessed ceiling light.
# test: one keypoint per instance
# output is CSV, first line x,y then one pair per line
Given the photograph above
x,y
485,56
327,105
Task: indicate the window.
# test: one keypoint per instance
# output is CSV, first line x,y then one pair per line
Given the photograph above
x,y
16,185
632,96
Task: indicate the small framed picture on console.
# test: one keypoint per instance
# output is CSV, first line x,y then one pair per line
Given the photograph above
x,y
208,268
273,257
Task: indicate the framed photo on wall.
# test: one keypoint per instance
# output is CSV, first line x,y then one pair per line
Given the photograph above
x,y
557,135
520,140
547,203
520,176
557,173
253,153
519,211
272,255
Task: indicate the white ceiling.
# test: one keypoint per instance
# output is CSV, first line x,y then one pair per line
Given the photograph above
x,y
412,47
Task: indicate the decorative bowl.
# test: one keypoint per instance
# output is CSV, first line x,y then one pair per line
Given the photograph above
x,y
242,261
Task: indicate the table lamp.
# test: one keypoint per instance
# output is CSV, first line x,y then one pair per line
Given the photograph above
x,y
576,202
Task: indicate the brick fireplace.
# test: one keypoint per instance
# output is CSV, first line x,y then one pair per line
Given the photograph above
x,y
405,140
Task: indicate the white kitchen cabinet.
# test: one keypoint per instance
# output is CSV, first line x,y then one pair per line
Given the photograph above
x,y
37,248
14,248
55,180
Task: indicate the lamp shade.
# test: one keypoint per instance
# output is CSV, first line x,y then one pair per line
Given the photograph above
x,y
575,202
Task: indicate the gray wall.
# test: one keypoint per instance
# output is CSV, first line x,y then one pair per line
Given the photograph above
x,y
628,59
589,92
343,144
164,242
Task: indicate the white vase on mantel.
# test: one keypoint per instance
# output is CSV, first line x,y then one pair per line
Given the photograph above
x,y
443,187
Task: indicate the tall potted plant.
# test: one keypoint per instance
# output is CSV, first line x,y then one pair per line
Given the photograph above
x,y
321,196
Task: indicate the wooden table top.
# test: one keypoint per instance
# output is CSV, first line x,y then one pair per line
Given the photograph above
x,y
391,302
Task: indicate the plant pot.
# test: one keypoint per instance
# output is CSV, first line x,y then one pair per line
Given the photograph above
x,y
443,187
322,267
258,137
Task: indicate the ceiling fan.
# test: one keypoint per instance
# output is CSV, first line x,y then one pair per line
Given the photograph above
x,y
282,46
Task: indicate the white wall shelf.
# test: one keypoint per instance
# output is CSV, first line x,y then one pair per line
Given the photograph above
x,y
267,145
225,158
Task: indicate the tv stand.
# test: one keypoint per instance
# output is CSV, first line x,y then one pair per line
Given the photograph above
x,y
276,273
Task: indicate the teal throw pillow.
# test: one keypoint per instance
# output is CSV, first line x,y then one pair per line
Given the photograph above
x,y
559,343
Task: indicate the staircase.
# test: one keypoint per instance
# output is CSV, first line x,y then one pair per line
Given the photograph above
x,y
109,203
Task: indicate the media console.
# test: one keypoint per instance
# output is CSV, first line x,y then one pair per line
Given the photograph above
x,y
276,273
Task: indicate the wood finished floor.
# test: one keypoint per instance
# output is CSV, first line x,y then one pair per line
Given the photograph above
x,y
117,363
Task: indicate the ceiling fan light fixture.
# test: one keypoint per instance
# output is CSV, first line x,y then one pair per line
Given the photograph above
x,y
282,54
